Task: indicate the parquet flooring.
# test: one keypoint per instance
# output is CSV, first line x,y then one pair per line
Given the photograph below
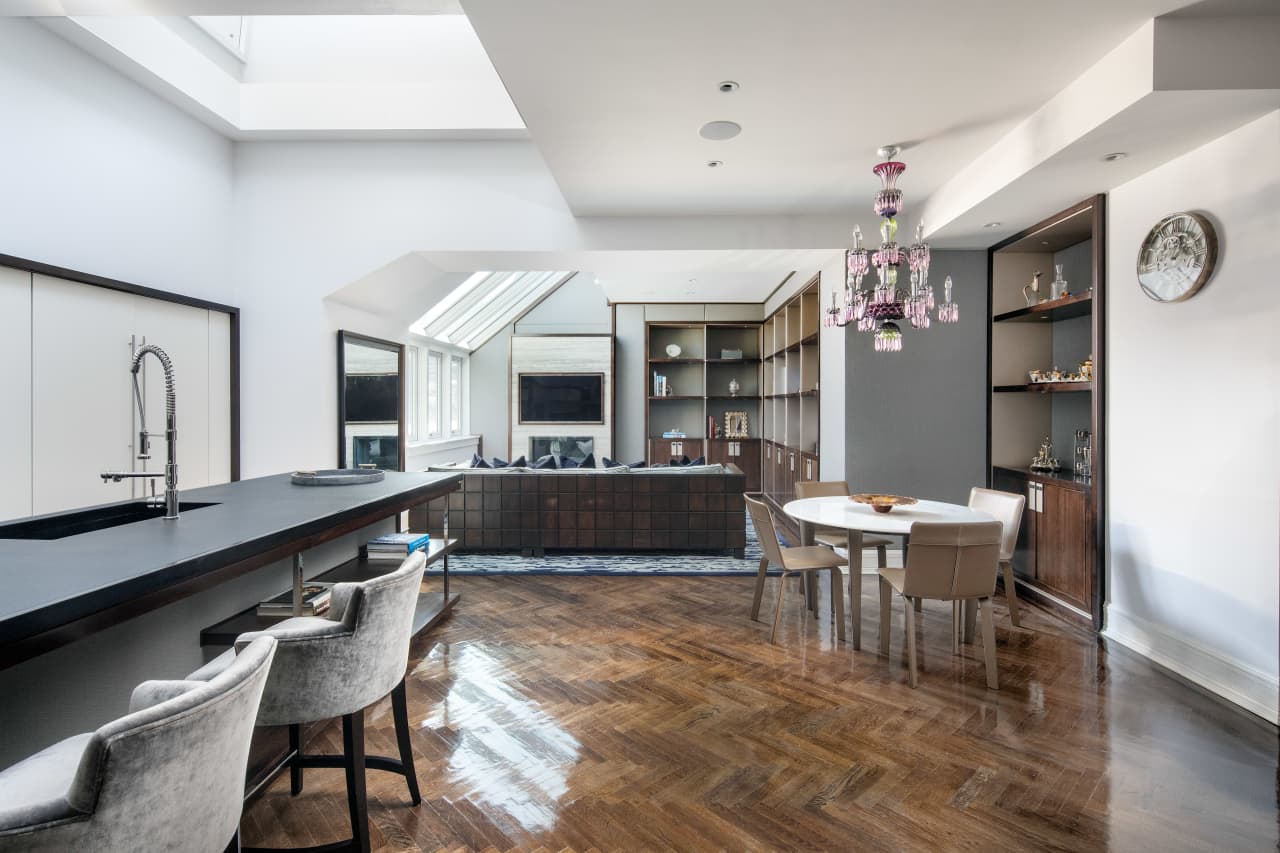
x,y
629,713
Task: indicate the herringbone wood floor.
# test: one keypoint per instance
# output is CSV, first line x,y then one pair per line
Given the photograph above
x,y
628,713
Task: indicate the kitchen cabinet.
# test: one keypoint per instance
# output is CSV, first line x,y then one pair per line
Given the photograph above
x,y
663,450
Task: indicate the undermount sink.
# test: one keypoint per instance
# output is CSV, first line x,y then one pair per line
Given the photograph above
x,y
74,523
337,477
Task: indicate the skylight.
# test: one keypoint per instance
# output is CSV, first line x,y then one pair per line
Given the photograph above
x,y
481,306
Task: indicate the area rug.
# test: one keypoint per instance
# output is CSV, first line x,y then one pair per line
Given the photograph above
x,y
618,563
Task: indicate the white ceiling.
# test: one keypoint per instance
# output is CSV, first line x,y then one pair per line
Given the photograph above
x,y
613,91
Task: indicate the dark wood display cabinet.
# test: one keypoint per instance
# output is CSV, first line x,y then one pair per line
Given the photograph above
x,y
1059,561
709,369
791,395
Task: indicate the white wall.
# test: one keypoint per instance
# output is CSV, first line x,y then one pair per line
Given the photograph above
x,y
102,176
1193,417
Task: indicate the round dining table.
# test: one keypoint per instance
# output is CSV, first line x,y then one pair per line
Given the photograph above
x,y
843,513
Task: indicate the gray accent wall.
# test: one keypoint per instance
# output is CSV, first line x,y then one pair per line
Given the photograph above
x,y
630,370
489,368
916,420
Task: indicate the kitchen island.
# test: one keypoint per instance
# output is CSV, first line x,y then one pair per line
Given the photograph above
x,y
85,617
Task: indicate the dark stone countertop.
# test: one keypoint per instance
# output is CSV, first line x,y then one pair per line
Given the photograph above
x,y
56,591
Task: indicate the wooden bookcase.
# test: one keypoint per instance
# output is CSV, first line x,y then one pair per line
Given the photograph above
x,y
1059,559
699,378
791,395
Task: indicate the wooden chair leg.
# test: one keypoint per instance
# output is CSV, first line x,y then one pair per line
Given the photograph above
x,y
760,578
955,627
837,602
989,642
400,711
812,578
295,769
357,797
886,595
1011,595
919,605
882,556
911,640
970,619
777,610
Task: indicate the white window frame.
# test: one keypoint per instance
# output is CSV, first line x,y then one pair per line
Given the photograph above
x,y
435,396
411,419
457,395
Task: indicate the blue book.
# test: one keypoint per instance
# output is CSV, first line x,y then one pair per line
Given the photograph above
x,y
400,542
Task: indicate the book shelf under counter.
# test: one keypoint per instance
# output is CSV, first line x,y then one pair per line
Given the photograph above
x,y
431,609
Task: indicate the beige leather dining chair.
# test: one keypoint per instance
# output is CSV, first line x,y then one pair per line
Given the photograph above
x,y
834,537
1005,507
946,562
805,560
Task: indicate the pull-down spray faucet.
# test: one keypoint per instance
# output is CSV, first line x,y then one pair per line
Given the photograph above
x,y
144,438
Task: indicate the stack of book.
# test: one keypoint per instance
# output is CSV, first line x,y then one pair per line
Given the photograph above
x,y
397,546
315,600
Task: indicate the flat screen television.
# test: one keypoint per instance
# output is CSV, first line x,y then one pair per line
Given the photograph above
x,y
562,398
372,397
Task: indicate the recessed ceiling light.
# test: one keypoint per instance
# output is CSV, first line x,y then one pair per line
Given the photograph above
x,y
714,164
992,225
720,130
1114,156
1044,242
728,86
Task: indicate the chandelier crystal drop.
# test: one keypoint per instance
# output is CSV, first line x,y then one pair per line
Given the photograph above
x,y
878,308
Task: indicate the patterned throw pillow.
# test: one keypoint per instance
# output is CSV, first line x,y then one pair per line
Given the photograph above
x,y
478,461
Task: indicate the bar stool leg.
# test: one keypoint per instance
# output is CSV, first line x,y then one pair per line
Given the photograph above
x,y
400,710
295,769
357,797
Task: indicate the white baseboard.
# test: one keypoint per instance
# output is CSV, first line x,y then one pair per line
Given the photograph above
x,y
1237,682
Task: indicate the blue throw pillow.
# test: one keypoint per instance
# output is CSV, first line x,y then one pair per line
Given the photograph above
x,y
684,460
478,461
614,463
566,462
639,464
499,463
701,460
518,462
545,462
589,462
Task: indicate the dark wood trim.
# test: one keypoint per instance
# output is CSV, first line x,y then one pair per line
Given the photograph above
x,y
1099,403
66,274
991,284
41,268
1046,222
1076,305
389,346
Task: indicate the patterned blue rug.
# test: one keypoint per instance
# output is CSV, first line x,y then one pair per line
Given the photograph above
x,y
610,563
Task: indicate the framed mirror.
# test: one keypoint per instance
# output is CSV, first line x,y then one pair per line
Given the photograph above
x,y
370,402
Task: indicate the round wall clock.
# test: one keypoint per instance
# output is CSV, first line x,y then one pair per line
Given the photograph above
x,y
1177,257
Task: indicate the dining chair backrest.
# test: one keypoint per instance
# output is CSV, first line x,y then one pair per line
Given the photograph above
x,y
762,519
1005,507
822,489
952,561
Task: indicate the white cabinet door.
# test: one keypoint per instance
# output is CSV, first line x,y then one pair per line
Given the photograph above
x,y
81,400
219,397
183,333
15,391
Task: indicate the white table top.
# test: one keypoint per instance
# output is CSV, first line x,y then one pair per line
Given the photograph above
x,y
840,512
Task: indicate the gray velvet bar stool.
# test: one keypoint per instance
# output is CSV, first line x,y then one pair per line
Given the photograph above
x,y
337,665
167,776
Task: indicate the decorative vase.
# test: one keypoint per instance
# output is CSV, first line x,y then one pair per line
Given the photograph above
x,y
1058,287
734,387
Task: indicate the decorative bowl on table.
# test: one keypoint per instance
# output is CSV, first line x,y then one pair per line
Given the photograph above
x,y
882,503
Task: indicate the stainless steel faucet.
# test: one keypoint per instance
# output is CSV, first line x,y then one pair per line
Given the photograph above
x,y
144,438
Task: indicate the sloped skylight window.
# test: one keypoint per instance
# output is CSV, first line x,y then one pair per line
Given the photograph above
x,y
481,306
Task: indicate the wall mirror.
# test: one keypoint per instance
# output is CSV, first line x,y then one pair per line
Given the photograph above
x,y
370,402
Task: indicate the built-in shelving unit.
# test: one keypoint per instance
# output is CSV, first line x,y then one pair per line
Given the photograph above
x,y
791,406
699,378
1059,555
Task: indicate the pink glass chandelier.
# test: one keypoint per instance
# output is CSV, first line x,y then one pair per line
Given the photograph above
x,y
879,308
